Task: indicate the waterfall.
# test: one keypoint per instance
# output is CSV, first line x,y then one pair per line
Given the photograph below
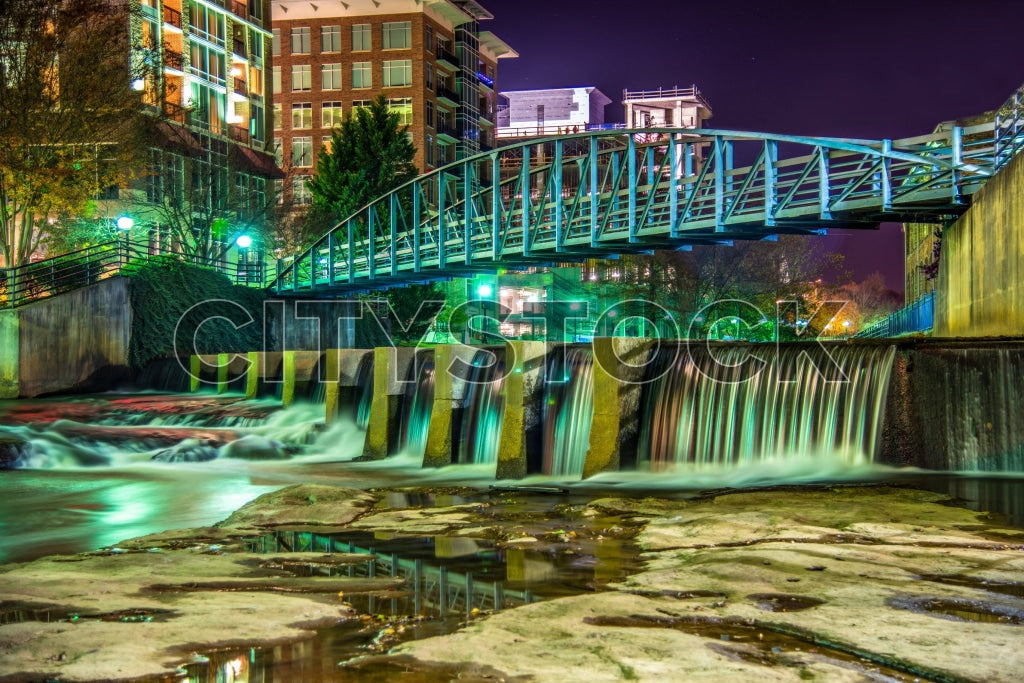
x,y
364,391
743,404
417,405
483,410
568,411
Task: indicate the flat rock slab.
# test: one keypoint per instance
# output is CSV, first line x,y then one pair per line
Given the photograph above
x,y
780,585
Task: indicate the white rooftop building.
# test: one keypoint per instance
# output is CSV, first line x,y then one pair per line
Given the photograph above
x,y
551,111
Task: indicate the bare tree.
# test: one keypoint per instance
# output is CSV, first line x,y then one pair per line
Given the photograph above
x,y
72,123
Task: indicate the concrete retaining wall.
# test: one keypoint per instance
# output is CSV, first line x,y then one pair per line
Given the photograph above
x,y
980,290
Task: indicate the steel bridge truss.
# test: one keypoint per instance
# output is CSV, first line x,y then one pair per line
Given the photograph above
x,y
574,197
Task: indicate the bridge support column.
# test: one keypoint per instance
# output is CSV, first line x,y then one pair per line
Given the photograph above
x,y
206,370
390,368
299,368
449,393
342,372
618,372
10,350
524,388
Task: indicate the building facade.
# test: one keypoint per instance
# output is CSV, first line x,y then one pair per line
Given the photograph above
x,y
551,111
429,58
206,66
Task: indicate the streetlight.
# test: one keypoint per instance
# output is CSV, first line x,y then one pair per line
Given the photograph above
x,y
242,271
124,225
484,291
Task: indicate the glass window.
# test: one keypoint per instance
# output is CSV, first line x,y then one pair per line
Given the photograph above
x,y
362,76
428,41
207,23
403,106
278,150
300,40
397,72
330,39
361,41
429,108
275,43
430,76
330,77
277,79
356,104
325,142
300,190
331,115
207,63
258,123
255,48
430,150
302,151
302,77
397,35
302,115
278,124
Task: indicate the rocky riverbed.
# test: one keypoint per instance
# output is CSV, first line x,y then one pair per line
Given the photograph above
x,y
845,583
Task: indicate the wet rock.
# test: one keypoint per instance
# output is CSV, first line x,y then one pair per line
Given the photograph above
x,y
303,504
189,450
14,451
253,447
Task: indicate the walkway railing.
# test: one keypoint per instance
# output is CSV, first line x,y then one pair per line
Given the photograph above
x,y
585,195
917,317
1009,129
68,272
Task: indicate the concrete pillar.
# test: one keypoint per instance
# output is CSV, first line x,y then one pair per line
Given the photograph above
x,y
299,368
10,349
252,377
223,359
449,394
619,364
390,369
520,427
342,372
205,371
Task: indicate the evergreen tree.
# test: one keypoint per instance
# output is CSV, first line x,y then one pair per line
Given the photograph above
x,y
370,154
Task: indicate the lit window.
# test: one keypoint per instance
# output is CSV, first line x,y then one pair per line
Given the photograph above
x,y
300,40
300,190
277,117
331,115
362,76
360,104
302,152
403,107
397,35
302,115
330,39
302,77
397,73
277,79
330,77
361,38
276,42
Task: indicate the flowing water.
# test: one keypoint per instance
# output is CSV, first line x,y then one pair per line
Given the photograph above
x,y
483,410
568,411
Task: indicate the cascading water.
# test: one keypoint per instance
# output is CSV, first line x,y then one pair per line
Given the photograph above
x,y
483,410
417,405
748,404
364,392
568,411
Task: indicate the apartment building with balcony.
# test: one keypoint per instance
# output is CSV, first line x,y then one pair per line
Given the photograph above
x,y
207,68
430,58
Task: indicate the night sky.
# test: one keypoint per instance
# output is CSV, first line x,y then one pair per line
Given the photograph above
x,y
845,68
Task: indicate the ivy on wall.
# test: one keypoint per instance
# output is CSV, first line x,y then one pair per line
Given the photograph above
x,y
164,295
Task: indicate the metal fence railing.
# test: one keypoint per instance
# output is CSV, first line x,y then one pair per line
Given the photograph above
x,y
917,317
67,272
1009,133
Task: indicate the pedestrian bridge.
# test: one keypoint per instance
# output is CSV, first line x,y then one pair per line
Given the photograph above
x,y
573,197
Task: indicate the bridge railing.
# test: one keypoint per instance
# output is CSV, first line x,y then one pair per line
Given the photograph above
x,y
917,317
1009,129
583,195
68,272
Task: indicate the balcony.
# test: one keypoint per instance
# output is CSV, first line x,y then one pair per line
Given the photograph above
x,y
240,9
238,48
174,60
172,17
239,87
176,113
446,132
447,97
446,59
239,134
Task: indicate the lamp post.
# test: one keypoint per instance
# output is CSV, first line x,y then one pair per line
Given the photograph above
x,y
243,242
124,226
484,291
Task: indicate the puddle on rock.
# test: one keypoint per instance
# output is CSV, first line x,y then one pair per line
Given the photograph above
x,y
959,609
769,645
446,581
781,602
1002,587
18,612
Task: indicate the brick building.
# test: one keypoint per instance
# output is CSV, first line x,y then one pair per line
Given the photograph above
x,y
428,57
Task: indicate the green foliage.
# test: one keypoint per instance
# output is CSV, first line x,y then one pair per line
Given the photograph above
x,y
370,154
164,289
